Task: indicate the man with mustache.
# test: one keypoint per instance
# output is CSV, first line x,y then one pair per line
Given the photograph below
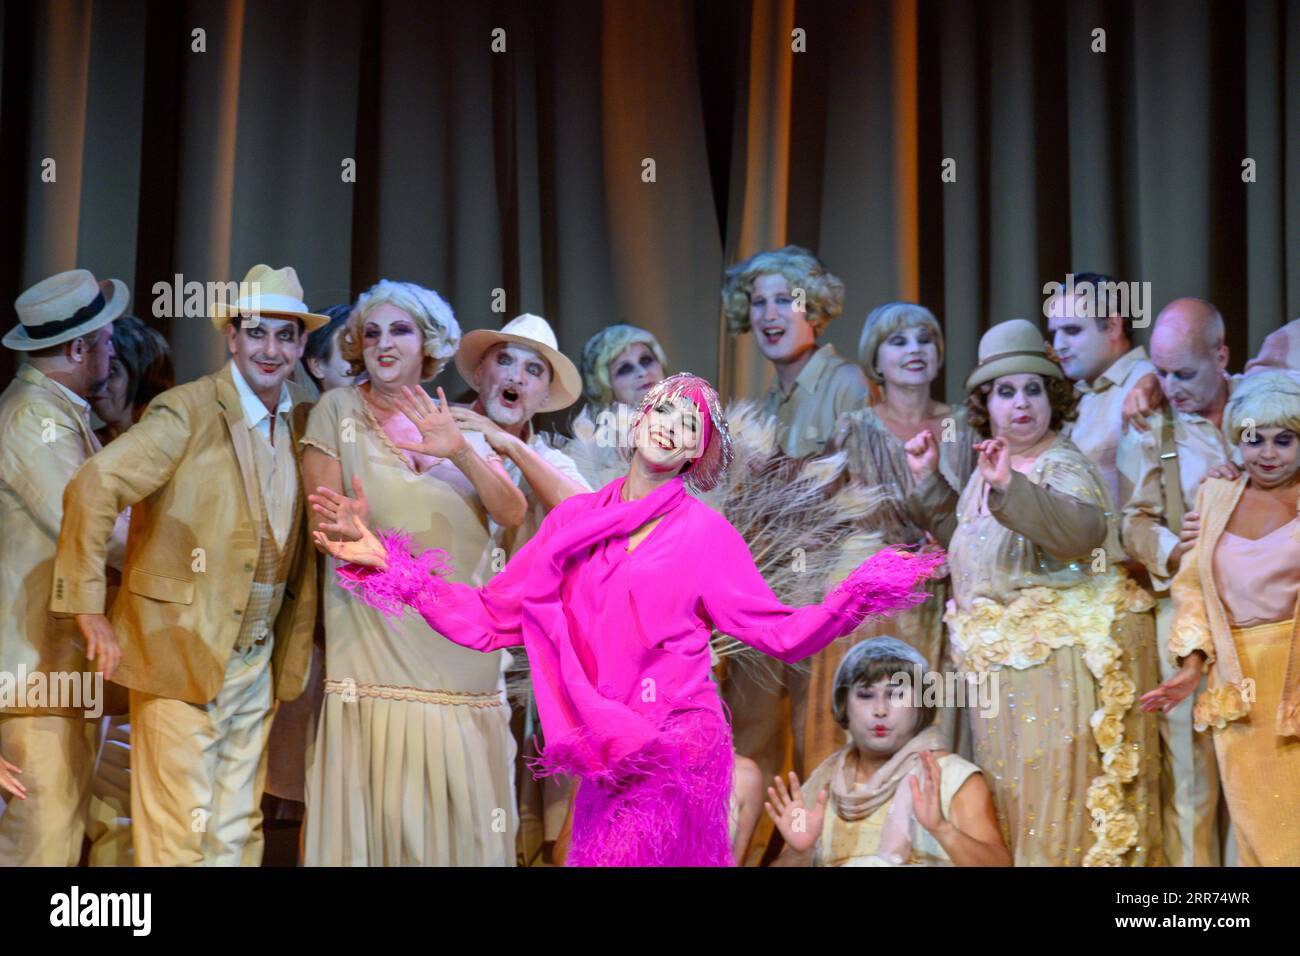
x,y
1096,353
215,617
65,334
1160,469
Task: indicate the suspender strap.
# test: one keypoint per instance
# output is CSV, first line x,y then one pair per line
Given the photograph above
x,y
1173,484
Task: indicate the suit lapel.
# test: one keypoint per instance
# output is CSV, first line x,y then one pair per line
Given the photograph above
x,y
237,427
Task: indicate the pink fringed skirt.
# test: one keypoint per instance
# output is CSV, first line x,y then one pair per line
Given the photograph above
x,y
668,805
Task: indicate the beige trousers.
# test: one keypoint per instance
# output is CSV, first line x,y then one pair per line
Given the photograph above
x,y
1189,775
198,772
56,755
108,824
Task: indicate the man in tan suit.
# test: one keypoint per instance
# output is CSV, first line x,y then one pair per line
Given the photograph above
x,y
46,745
217,606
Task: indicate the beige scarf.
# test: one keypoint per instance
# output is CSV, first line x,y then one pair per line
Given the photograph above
x,y
856,801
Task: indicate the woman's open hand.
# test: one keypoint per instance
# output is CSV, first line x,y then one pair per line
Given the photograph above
x,y
366,549
440,436
340,515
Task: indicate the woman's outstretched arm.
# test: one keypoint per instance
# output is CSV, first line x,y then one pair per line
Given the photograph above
x,y
740,604
385,573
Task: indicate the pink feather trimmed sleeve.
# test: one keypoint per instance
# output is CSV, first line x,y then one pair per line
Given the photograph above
x,y
741,605
484,619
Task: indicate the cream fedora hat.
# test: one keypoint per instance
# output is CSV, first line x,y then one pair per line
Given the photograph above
x,y
64,306
530,331
1011,348
274,293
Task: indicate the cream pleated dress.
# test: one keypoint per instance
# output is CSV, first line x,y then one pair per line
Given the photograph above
x,y
412,762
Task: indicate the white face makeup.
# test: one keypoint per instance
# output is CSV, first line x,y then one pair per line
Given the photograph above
x,y
908,357
1272,458
392,347
512,382
881,716
782,331
1191,375
632,372
1081,342
1019,409
265,350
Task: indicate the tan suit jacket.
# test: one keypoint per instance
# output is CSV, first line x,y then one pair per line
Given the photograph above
x,y
186,469
44,439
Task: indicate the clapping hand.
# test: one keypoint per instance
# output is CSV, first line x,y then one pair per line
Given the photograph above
x,y
995,463
922,455
440,437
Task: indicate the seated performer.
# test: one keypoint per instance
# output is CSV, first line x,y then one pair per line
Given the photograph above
x,y
896,796
615,599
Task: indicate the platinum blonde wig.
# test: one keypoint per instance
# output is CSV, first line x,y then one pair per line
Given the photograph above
x,y
428,310
1265,400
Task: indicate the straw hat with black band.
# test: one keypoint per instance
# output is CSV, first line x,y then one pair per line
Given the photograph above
x,y
64,307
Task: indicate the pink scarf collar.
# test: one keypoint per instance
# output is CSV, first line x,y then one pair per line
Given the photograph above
x,y
587,732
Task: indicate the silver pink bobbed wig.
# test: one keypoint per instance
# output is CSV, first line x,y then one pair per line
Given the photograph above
x,y
703,473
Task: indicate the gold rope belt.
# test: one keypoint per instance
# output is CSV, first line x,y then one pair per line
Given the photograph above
x,y
350,690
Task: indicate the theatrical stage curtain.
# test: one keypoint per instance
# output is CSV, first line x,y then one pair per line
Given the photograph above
x,y
525,170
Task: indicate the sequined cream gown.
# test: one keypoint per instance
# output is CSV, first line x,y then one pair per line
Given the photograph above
x,y
1043,609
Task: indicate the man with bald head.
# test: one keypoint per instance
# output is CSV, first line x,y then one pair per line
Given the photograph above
x,y
1160,469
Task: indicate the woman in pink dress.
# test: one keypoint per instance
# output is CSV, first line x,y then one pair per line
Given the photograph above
x,y
615,599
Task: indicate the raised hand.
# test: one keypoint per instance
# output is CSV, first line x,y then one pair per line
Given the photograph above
x,y
924,784
366,549
800,824
340,515
1143,398
995,462
9,783
440,436
1172,692
922,454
